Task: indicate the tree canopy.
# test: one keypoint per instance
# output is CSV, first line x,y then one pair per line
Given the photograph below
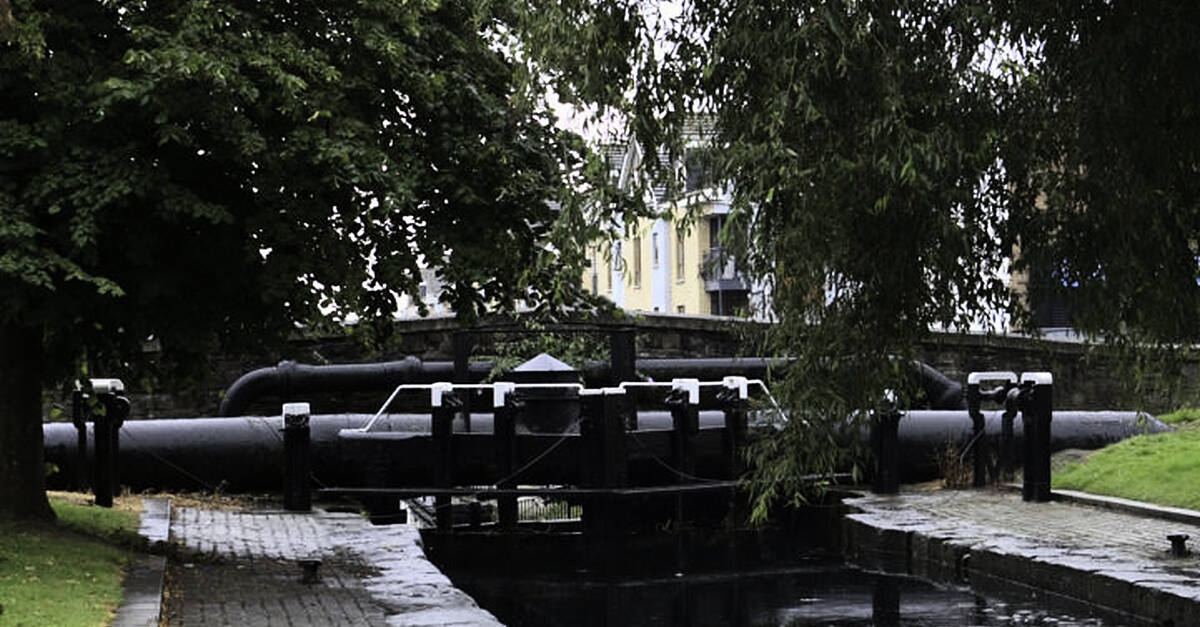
x,y
893,161
215,172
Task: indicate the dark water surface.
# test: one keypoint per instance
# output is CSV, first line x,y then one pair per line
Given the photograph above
x,y
822,592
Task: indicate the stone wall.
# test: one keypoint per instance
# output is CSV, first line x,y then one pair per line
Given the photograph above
x,y
1086,377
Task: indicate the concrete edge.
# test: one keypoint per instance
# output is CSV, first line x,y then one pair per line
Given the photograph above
x,y
143,585
883,542
1129,506
1175,514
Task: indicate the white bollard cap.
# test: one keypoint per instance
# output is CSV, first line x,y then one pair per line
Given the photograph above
x,y
976,377
295,415
107,386
1037,378
295,409
691,386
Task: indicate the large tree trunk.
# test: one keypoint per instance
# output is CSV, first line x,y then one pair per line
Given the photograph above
x,y
22,472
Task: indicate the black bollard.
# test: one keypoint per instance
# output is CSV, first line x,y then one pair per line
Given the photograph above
x,y
622,356
1036,414
885,444
684,402
446,404
297,496
603,466
79,417
107,421
102,437
506,404
980,445
734,399
1008,446
118,411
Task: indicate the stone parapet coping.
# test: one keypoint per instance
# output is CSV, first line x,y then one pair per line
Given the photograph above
x,y
1112,562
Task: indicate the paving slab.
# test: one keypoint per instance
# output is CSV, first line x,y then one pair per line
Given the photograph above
x,y
1113,556
243,568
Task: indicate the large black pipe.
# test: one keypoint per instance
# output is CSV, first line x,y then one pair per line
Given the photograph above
x,y
292,381
926,436
244,454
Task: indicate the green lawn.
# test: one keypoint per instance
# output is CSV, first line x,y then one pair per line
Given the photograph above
x,y
65,574
1162,468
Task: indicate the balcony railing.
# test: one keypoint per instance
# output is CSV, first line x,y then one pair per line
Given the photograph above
x,y
720,272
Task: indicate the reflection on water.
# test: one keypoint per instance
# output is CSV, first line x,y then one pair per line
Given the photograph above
x,y
823,593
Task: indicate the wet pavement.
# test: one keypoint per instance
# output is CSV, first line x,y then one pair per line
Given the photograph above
x,y
1086,550
243,568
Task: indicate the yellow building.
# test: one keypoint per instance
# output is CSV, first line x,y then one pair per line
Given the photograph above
x,y
661,265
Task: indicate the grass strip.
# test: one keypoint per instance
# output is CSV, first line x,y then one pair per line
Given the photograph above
x,y
68,573
1163,469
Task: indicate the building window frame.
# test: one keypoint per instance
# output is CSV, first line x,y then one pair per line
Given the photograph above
x,y
637,261
680,256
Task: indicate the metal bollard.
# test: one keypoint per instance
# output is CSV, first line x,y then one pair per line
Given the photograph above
x,y
885,445
106,427
80,412
980,444
1036,414
308,569
1008,447
1179,544
297,497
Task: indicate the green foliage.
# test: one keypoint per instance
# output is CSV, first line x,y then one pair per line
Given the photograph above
x,y
114,525
213,172
574,349
887,158
66,575
1160,469
1182,416
1107,141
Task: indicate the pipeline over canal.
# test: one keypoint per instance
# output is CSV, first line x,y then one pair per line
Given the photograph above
x,y
402,450
245,454
291,380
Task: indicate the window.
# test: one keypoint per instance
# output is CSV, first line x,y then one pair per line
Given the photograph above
x,y
680,309
699,169
637,262
716,224
654,250
614,264
729,302
679,255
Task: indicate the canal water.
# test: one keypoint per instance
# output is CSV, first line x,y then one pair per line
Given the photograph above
x,y
782,576
821,593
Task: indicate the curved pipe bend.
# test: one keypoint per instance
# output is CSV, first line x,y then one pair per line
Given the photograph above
x,y
290,377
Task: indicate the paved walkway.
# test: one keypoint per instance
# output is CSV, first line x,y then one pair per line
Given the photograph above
x,y
1087,552
242,568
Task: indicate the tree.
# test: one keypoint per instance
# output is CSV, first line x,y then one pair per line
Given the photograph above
x,y
214,173
888,157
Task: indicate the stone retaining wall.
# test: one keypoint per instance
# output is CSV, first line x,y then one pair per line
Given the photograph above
x,y
1109,569
1085,377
